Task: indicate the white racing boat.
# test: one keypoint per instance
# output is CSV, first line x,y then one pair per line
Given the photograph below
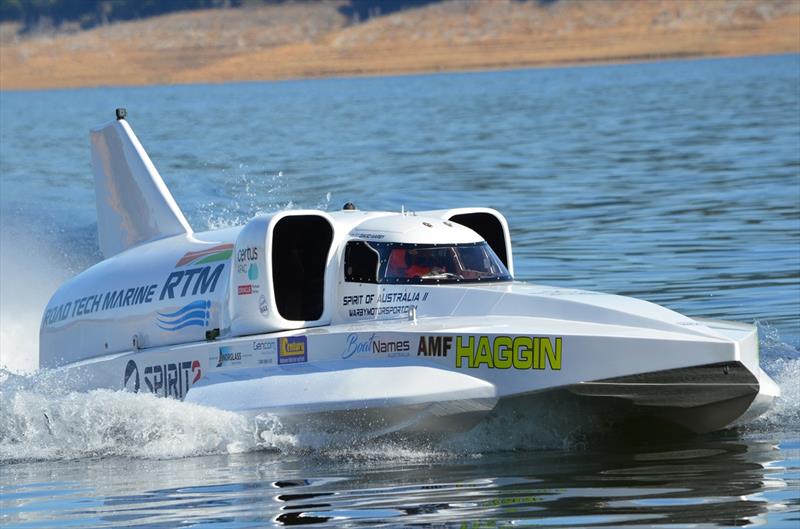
x,y
380,322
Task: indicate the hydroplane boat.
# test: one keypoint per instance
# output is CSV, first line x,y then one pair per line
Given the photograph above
x,y
380,322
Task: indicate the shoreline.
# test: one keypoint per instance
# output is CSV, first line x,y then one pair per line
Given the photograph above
x,y
314,41
587,63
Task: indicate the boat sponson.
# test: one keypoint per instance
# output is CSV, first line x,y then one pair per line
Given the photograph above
x,y
384,398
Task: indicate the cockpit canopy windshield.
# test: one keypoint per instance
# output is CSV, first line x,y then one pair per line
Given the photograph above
x,y
390,262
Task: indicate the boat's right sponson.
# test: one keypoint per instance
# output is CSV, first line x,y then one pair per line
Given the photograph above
x,y
701,398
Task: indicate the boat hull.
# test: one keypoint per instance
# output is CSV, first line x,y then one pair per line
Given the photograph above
x,y
443,375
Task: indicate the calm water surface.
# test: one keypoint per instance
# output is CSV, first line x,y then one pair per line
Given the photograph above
x,y
676,182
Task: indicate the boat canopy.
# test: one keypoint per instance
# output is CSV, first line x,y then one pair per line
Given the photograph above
x,y
408,263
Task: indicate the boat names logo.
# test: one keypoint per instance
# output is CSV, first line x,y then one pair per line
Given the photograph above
x,y
179,284
505,352
356,345
194,314
292,350
164,380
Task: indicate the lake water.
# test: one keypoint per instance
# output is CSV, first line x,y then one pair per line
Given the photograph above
x,y
675,182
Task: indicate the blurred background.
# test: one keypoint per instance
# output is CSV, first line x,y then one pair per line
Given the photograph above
x,y
70,43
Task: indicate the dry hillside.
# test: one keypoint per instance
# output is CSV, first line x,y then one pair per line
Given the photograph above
x,y
314,39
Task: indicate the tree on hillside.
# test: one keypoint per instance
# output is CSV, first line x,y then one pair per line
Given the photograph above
x,y
35,13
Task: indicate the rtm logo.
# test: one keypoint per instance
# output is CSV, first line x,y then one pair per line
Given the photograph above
x,y
201,280
164,380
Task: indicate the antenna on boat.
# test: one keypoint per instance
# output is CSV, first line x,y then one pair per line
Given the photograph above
x,y
402,209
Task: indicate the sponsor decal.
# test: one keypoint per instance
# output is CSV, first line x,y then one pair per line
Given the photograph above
x,y
131,379
366,299
292,350
178,284
252,272
164,380
244,290
265,349
221,252
434,345
505,352
203,279
393,303
355,345
227,355
369,236
245,264
194,314
400,297
263,307
264,345
247,254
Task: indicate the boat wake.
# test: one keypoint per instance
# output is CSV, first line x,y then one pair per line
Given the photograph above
x,y
42,419
38,421
782,362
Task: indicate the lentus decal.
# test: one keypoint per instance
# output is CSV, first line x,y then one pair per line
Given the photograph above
x,y
246,262
505,352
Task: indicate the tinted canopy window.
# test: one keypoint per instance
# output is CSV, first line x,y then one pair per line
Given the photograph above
x,y
360,262
300,246
381,262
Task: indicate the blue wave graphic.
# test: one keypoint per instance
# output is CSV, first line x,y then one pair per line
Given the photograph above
x,y
190,323
194,314
200,314
199,304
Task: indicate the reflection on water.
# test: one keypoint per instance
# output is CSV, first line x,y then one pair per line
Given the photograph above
x,y
725,482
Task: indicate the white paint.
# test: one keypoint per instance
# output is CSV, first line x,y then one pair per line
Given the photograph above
x,y
364,352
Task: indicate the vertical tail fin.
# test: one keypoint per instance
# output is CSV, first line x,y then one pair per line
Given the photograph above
x,y
133,203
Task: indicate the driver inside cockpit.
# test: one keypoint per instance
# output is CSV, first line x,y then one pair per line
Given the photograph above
x,y
418,264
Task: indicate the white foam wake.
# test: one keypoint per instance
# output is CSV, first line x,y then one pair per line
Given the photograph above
x,y
781,360
39,422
